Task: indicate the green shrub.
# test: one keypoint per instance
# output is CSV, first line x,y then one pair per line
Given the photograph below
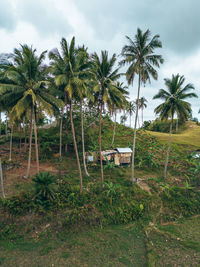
x,y
181,201
45,188
18,205
162,126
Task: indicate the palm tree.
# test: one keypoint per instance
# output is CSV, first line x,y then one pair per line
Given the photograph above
x,y
139,54
142,105
118,105
84,74
26,90
130,108
67,71
106,89
173,104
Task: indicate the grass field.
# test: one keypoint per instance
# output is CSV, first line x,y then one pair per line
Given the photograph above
x,y
176,244
189,137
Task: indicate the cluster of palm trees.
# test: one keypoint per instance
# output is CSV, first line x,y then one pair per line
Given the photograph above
x,y
131,107
29,88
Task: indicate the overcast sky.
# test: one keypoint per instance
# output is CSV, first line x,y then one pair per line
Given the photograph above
x,y
102,25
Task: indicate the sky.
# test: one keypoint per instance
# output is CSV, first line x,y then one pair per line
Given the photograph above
x,y
103,25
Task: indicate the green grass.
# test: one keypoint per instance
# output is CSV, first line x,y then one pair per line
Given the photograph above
x,y
177,244
189,137
111,246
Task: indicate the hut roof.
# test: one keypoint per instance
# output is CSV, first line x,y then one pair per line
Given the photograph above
x,y
108,152
123,150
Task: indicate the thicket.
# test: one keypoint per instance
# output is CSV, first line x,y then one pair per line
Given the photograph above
x,y
113,204
180,202
161,126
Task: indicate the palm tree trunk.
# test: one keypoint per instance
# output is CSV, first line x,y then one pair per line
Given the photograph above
x,y
60,145
168,150
11,135
177,125
83,141
36,142
1,178
20,140
130,120
76,150
114,130
138,119
134,138
0,123
100,155
142,116
6,129
30,145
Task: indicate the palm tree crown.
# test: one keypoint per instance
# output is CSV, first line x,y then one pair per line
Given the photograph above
x,y
174,98
174,104
139,54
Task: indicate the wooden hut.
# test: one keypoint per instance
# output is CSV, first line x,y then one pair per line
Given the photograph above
x,y
123,156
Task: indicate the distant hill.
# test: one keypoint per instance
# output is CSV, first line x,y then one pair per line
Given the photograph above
x,y
189,137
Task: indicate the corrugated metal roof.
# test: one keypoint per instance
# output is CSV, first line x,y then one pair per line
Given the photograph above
x,y
108,152
124,150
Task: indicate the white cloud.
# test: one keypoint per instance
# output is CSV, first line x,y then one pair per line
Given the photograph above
x,y
43,23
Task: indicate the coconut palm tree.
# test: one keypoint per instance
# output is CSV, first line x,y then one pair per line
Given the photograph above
x,y
69,74
130,108
174,104
118,106
139,55
26,90
106,90
142,105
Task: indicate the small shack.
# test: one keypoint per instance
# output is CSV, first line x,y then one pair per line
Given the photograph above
x,y
119,156
123,156
108,155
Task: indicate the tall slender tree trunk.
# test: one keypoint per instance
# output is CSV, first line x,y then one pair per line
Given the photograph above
x,y
20,140
134,138
130,120
76,150
168,150
83,139
138,119
36,142
100,155
11,135
142,116
177,125
30,145
60,145
1,178
0,123
25,137
114,130
6,127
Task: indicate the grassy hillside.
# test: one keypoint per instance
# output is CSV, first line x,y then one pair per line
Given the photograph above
x,y
166,233
188,137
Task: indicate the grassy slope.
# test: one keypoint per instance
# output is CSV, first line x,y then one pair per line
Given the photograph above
x,y
176,244
111,246
173,245
189,137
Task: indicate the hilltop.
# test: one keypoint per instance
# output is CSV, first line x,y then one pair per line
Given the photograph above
x,y
189,136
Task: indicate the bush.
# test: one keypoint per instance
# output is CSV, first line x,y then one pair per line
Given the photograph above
x,y
161,126
45,187
181,201
18,205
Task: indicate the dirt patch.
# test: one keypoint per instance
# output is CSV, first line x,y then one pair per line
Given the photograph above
x,y
143,185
